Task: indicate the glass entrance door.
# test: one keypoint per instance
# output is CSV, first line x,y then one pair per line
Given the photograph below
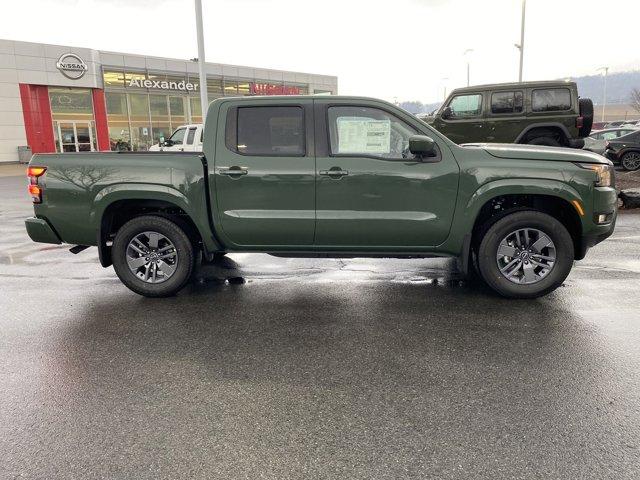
x,y
75,136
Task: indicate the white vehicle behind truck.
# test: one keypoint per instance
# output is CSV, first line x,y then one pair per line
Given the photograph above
x,y
185,138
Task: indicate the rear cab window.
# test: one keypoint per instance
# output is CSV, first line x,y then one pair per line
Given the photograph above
x,y
266,131
191,135
550,100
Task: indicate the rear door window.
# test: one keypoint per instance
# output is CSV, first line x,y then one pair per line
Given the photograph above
x,y
550,100
506,102
271,131
465,106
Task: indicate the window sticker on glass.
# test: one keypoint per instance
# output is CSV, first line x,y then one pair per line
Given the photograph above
x,y
363,135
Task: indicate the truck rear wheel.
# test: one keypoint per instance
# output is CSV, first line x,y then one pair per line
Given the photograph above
x,y
525,255
152,256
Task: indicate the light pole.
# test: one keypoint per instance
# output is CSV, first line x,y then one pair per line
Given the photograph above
x,y
204,100
604,94
466,54
520,46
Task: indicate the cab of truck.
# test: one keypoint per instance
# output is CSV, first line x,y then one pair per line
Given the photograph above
x,y
185,138
537,113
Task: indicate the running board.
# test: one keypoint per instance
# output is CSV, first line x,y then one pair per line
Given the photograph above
x,y
78,248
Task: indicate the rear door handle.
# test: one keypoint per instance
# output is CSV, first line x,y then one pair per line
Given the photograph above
x,y
335,172
233,171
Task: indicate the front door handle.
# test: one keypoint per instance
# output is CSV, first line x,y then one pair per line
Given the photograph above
x,y
334,172
233,171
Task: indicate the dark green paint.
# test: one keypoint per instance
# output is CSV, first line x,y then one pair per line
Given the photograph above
x,y
283,205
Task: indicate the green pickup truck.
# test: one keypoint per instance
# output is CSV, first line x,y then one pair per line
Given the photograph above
x,y
327,177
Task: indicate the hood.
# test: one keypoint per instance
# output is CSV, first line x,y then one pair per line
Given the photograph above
x,y
538,152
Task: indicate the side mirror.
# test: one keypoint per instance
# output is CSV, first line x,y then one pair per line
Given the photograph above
x,y
447,113
168,143
422,146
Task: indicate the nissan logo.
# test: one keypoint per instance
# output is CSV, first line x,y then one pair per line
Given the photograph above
x,y
71,66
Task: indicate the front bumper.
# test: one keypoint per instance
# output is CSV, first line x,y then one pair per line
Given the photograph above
x,y
39,230
605,202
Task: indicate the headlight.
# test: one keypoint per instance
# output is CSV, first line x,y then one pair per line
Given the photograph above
x,y
604,173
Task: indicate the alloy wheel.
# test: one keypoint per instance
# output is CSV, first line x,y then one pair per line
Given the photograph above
x,y
631,161
152,257
525,256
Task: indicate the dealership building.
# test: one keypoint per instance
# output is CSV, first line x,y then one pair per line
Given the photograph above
x,y
67,99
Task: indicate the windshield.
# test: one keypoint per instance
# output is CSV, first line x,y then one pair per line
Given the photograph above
x,y
178,135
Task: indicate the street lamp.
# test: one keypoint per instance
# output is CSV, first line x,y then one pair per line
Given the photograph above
x,y
466,55
204,101
520,46
604,94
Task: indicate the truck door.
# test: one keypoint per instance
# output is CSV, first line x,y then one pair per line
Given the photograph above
x,y
264,174
372,193
464,124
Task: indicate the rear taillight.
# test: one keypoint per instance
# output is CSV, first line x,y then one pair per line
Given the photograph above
x,y
35,190
579,122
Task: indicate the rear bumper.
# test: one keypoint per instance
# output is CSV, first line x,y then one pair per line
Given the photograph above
x,y
39,230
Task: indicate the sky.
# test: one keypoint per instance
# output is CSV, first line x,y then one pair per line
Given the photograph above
x,y
398,50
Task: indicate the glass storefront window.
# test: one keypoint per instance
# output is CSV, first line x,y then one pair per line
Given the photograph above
x,y
139,121
177,111
118,121
196,111
160,124
139,76
71,104
113,78
230,88
214,87
244,88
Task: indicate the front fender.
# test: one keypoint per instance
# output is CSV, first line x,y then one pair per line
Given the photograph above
x,y
196,210
519,186
468,209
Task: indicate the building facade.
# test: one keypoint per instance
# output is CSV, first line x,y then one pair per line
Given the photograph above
x,y
67,99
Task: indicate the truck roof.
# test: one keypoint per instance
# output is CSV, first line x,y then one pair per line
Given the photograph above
x,y
495,86
253,98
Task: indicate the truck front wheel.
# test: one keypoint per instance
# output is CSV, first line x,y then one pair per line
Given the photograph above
x,y
525,255
152,256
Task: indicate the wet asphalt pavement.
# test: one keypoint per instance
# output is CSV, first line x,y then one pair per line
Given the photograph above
x,y
314,369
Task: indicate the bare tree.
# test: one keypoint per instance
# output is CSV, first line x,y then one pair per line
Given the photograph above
x,y
635,99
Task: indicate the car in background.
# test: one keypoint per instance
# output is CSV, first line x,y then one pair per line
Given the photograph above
x,y
537,113
598,126
618,123
186,138
625,151
597,141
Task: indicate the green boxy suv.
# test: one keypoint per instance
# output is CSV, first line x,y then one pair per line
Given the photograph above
x,y
536,113
327,177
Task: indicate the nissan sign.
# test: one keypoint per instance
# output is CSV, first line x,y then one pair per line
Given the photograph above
x,y
71,66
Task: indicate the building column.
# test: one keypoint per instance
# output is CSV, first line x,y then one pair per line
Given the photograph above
x,y
38,124
100,115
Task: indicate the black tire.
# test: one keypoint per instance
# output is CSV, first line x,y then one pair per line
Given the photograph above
x,y
586,112
548,141
630,161
546,224
184,256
